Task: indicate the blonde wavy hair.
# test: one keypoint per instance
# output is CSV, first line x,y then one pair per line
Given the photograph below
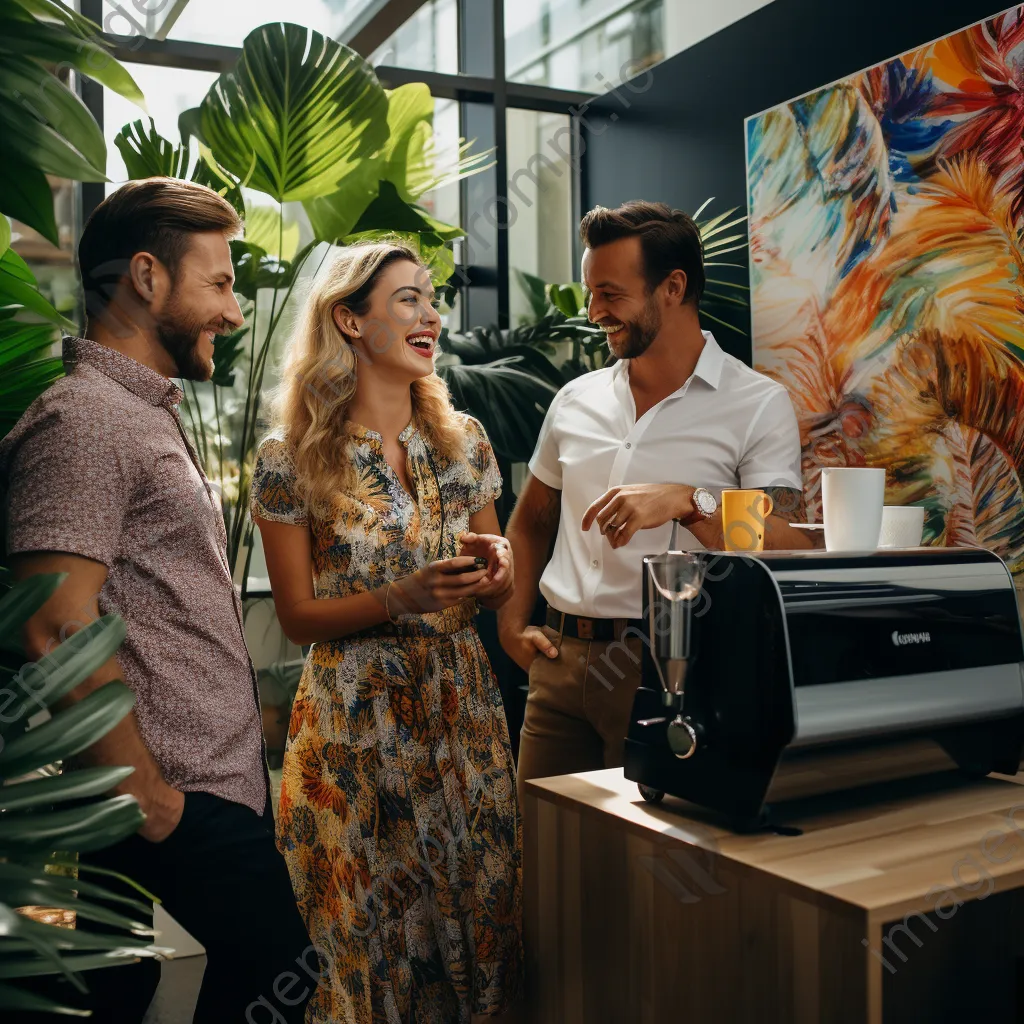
x,y
319,376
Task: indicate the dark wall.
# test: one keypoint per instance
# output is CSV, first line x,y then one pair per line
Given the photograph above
x,y
680,138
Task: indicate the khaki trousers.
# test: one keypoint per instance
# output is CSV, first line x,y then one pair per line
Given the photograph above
x,y
578,708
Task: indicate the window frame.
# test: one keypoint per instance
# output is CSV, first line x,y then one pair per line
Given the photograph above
x,y
481,81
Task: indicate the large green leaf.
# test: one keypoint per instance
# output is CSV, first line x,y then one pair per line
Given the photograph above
x,y
55,789
44,682
5,234
264,227
147,154
509,402
92,827
52,32
255,269
20,343
74,938
30,884
296,116
28,966
414,163
407,157
15,999
390,212
534,289
333,217
22,601
25,195
56,133
69,732
18,288
567,298
227,350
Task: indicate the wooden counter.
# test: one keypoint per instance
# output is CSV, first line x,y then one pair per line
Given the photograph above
x,y
902,904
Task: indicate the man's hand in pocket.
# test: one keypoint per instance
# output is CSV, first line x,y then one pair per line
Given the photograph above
x,y
163,812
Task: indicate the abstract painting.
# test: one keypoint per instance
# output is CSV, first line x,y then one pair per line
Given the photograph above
x,y
887,277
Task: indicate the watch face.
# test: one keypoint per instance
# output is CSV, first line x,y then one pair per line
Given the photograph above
x,y
706,502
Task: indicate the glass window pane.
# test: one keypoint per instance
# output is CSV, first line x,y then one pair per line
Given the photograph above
x,y
428,41
540,237
228,22
589,44
568,43
443,203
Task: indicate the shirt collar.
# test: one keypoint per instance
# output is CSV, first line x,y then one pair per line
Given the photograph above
x,y
708,368
361,433
139,379
710,362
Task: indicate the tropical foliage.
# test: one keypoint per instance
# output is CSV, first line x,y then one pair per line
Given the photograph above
x,y
41,811
44,129
300,119
891,304
44,126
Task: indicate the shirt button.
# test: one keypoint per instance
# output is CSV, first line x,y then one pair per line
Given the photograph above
x,y
628,445
595,563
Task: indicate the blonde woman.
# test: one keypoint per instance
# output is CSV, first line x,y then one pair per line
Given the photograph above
x,y
398,815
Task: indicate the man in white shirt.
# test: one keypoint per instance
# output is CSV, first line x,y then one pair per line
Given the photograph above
x,y
623,452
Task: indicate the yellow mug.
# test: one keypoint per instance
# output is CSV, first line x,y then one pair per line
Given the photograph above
x,y
743,516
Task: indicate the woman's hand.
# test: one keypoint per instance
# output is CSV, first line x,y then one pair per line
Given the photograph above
x,y
499,582
437,585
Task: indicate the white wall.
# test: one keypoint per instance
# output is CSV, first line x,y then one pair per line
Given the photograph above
x,y
689,21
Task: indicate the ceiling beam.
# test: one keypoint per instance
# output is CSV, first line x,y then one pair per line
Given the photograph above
x,y
376,23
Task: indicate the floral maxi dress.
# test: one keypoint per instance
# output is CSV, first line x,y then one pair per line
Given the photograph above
x,y
398,816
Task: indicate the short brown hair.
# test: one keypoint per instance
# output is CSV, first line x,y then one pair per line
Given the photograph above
x,y
154,215
669,240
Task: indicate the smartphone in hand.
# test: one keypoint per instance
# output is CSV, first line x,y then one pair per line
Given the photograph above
x,y
478,564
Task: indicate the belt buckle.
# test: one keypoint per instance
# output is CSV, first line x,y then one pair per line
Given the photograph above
x,y
585,629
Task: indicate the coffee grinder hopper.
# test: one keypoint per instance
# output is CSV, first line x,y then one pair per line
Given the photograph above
x,y
673,583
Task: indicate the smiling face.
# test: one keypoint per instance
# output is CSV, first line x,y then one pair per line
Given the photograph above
x,y
398,333
618,299
199,305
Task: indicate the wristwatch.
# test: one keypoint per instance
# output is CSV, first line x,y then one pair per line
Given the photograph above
x,y
705,504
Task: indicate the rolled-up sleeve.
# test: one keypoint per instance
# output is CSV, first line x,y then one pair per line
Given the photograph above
x,y
545,465
68,486
771,456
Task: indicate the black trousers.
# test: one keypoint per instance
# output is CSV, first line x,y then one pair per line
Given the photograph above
x,y
221,877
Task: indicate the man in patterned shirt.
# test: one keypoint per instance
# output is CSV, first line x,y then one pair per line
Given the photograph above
x,y
101,483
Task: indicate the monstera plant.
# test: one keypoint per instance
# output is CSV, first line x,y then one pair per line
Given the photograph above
x,y
300,119
41,811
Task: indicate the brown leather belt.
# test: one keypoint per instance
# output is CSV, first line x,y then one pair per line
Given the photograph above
x,y
603,630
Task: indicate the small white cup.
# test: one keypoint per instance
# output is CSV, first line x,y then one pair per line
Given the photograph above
x,y
852,499
902,526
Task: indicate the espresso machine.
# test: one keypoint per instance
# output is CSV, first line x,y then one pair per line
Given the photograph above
x,y
785,675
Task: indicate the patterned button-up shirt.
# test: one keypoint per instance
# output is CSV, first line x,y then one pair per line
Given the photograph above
x,y
99,466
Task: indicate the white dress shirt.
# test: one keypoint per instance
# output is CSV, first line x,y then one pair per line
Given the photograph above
x,y
727,426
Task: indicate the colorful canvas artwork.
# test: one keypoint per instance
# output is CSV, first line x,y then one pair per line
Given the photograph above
x,y
887,277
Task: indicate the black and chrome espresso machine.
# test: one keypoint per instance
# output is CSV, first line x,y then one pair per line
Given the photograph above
x,y
785,675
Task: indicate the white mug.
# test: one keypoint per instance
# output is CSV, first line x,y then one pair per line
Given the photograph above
x,y
902,526
852,499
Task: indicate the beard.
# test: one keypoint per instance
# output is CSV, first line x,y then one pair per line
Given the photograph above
x,y
179,334
640,333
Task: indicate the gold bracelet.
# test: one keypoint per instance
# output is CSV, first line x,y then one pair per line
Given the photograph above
x,y
387,604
